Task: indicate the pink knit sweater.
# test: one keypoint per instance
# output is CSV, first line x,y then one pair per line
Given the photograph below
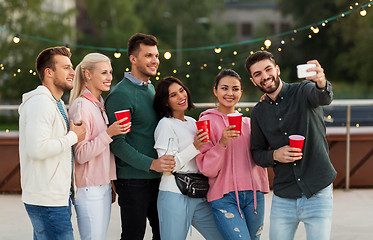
x,y
94,163
231,168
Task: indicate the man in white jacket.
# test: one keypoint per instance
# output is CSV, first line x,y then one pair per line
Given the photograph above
x,y
45,147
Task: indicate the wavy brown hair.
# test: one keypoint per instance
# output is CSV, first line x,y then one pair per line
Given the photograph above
x,y
160,102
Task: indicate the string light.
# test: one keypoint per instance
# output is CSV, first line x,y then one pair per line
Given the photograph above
x,y
315,29
117,54
158,73
235,53
310,36
233,63
127,69
357,125
34,73
219,67
267,43
167,55
16,39
217,50
356,4
188,63
174,71
279,49
18,70
282,42
363,12
187,76
157,78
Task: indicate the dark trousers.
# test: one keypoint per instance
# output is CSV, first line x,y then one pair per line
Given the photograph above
x,y
137,199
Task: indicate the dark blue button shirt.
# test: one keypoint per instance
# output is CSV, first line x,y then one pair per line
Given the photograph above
x,y
297,110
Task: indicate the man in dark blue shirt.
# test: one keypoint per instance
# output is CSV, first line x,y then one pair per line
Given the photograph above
x,y
303,181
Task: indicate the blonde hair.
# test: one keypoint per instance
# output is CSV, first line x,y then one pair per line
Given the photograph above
x,y
87,64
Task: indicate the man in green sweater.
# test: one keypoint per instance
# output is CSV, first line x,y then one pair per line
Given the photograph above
x,y
138,168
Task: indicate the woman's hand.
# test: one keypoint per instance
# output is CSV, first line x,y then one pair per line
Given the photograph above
x,y
116,128
198,139
228,134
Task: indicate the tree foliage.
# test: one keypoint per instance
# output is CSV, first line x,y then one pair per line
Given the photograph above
x,y
28,18
343,47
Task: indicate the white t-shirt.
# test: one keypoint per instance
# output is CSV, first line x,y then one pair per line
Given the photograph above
x,y
183,133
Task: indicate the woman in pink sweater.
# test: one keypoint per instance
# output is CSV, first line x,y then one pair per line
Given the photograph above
x,y
237,184
94,163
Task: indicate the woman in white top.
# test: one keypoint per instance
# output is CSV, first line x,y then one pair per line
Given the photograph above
x,y
177,211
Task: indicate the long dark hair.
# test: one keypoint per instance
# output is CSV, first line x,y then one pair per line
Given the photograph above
x,y
160,102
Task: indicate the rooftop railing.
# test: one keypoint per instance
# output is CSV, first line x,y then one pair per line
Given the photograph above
x,y
348,103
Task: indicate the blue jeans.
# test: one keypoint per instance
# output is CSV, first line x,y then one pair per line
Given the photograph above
x,y
177,212
315,213
229,221
51,223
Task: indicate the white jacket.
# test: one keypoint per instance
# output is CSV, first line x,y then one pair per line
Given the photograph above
x,y
44,150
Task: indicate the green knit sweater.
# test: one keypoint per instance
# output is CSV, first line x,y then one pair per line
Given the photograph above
x,y
134,151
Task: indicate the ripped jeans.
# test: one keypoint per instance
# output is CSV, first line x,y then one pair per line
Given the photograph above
x,y
228,218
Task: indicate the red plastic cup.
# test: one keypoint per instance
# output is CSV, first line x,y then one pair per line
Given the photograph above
x,y
296,141
235,119
122,114
205,126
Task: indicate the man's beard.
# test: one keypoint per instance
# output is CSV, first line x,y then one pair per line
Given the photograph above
x,y
273,89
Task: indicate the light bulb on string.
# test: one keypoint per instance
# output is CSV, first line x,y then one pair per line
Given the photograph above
x,y
117,54
217,50
219,67
16,39
356,4
127,69
235,53
188,63
363,12
187,76
267,43
174,71
282,42
167,55
315,29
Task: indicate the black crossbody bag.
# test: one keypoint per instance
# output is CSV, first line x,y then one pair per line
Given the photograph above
x,y
194,185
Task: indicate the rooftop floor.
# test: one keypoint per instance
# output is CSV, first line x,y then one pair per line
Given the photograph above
x,y
352,218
